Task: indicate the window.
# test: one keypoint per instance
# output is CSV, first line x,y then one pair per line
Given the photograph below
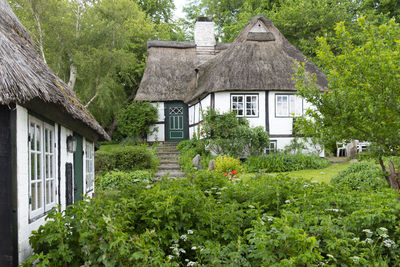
x,y
89,152
272,147
42,181
245,105
288,105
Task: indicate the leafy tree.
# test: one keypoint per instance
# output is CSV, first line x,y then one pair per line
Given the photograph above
x,y
300,21
136,118
364,89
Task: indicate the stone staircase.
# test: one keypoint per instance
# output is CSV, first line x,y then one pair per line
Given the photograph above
x,y
168,156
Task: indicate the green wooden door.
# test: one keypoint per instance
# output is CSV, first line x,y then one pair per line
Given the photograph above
x,y
176,121
78,169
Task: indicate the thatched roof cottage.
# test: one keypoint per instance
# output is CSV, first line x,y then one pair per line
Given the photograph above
x,y
46,141
251,76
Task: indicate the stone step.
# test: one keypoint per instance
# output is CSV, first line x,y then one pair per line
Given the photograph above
x,y
169,161
171,173
169,167
167,150
168,157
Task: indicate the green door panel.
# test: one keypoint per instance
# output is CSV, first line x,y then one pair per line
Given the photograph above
x,y
78,169
176,121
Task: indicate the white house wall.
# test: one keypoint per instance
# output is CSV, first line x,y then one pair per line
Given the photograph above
x,y
25,226
223,104
158,135
195,114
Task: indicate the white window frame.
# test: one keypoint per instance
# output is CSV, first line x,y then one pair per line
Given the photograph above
x,y
288,105
272,148
89,166
44,172
245,105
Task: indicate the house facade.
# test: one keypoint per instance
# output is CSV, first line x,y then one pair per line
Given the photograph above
x,y
47,141
251,76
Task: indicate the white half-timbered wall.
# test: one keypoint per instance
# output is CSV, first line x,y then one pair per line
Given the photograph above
x,y
159,133
26,224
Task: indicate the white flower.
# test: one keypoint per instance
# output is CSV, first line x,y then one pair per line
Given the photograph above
x,y
367,231
355,259
356,239
331,256
223,188
190,232
214,188
384,235
251,206
334,210
314,182
175,251
208,192
184,237
194,248
389,243
182,250
218,193
148,186
192,263
187,260
306,185
287,201
369,240
170,257
383,229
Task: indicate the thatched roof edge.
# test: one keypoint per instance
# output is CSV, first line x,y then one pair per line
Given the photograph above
x,y
170,44
25,78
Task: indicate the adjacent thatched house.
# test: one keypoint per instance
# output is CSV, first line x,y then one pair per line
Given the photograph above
x,y
40,120
251,76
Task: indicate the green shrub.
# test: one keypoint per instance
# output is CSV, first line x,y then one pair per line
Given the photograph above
x,y
227,134
126,158
135,119
209,221
189,149
226,164
361,176
284,162
120,180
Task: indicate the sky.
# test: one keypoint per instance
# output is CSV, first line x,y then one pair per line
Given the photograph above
x,y
179,6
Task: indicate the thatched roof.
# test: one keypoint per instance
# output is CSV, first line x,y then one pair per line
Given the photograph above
x,y
169,69
259,59
26,80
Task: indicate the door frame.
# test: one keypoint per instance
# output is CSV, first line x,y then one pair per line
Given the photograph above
x,y
185,120
78,174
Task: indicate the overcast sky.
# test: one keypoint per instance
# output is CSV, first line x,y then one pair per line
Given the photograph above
x,y
179,5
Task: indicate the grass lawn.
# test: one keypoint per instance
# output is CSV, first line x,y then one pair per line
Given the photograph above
x,y
320,175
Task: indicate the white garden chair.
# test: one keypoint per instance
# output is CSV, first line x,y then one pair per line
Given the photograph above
x,y
340,146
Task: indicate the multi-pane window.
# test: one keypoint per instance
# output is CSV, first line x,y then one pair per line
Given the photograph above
x,y
89,166
272,147
42,181
245,105
288,105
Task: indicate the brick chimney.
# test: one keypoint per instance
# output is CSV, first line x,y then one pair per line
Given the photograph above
x,y
204,38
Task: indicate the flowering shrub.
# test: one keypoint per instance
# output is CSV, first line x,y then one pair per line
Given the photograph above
x,y
226,164
205,220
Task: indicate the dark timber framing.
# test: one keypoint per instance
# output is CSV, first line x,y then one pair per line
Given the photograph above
x,y
266,112
8,185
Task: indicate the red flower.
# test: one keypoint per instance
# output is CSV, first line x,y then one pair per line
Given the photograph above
x,y
234,172
201,133
225,174
201,122
213,127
